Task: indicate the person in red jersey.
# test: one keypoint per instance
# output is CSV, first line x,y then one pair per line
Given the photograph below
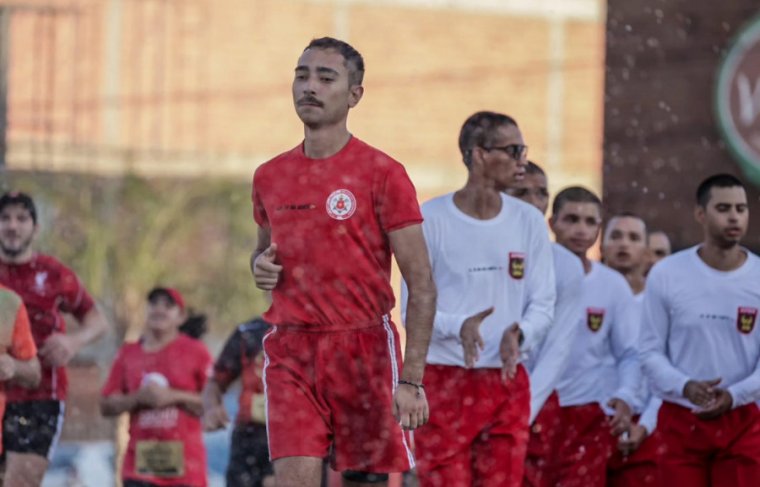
x,y
158,381
330,213
242,357
18,353
34,417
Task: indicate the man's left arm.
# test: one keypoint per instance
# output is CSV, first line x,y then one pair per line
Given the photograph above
x,y
538,315
408,244
624,339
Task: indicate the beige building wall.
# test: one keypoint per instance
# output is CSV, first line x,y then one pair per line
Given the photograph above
x,y
201,87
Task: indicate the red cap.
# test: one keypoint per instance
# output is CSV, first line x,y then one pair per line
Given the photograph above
x,y
171,293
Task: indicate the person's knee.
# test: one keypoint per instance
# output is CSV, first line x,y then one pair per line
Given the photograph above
x,y
364,477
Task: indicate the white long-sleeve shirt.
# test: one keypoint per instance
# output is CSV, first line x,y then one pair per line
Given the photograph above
x,y
648,403
605,362
700,323
548,361
504,262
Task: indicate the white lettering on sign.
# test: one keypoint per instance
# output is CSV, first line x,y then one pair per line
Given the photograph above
x,y
749,99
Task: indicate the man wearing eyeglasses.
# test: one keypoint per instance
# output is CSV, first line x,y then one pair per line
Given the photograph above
x,y
492,265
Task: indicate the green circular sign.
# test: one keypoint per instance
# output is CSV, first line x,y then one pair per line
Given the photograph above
x,y
737,99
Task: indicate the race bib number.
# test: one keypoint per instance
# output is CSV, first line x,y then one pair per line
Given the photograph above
x,y
259,408
160,458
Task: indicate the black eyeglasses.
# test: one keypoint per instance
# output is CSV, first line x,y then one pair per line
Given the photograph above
x,y
515,151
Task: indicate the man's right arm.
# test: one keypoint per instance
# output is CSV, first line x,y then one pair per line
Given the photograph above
x,y
655,329
266,273
226,370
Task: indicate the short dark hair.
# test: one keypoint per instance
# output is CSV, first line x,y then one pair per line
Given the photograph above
x,y
479,130
533,168
716,181
629,214
353,60
12,198
574,194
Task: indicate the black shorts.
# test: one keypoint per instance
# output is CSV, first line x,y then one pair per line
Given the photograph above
x,y
249,456
33,427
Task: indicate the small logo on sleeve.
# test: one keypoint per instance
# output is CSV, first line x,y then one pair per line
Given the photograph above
x,y
594,318
517,265
341,204
745,319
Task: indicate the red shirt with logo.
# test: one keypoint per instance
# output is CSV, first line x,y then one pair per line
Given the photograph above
x,y
48,289
165,445
330,219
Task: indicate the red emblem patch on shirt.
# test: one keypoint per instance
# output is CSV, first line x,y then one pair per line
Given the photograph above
x,y
745,319
341,204
517,265
594,318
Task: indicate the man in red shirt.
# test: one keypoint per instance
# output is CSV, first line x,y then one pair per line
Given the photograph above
x,y
34,417
330,214
158,381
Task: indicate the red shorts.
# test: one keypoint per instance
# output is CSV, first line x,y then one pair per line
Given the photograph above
x,y
638,468
709,453
583,446
478,429
542,443
331,394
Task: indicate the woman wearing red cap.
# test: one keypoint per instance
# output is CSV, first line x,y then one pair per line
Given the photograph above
x,y
158,381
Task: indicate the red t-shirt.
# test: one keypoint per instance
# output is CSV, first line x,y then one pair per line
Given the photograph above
x,y
168,441
330,219
15,334
47,288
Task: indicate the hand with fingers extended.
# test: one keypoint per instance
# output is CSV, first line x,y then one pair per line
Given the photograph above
x,y
509,350
266,273
410,407
700,392
472,341
621,418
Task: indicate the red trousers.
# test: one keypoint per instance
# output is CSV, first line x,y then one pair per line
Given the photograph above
x,y
542,443
723,452
478,429
639,468
582,448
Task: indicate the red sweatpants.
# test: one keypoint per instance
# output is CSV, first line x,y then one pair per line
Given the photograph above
x,y
478,429
542,443
723,452
639,468
583,446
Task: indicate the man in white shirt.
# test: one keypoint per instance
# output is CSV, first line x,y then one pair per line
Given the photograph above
x,y
624,249
700,347
600,383
492,265
546,363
